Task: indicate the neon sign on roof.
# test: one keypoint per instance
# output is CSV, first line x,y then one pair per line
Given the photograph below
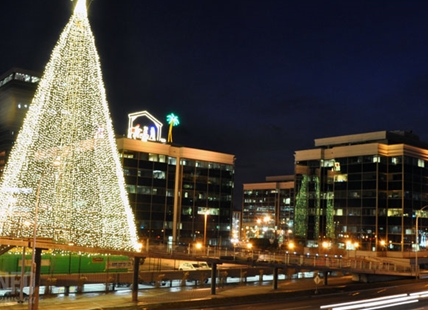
x,y
143,126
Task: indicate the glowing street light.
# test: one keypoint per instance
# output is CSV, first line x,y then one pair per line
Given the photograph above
x,y
250,247
205,212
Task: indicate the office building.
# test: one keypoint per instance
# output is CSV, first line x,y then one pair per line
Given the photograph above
x,y
178,194
17,88
268,209
363,190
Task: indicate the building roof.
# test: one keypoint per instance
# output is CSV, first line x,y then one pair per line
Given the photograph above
x,y
385,137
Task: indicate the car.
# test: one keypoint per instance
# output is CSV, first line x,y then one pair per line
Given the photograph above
x,y
5,293
204,265
194,266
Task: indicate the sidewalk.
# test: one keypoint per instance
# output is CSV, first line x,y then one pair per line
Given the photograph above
x,y
172,298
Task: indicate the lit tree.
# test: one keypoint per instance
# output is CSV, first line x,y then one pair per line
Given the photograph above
x,y
172,121
301,209
83,200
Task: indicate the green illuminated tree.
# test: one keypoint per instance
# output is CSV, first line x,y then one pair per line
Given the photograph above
x,y
301,209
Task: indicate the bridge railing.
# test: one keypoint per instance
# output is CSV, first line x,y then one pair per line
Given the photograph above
x,y
370,264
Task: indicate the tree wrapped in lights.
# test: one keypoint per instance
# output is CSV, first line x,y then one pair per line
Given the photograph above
x,y
82,199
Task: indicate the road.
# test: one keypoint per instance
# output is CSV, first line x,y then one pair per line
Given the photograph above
x,y
333,301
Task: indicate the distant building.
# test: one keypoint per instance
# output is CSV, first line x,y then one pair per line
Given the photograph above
x,y
363,191
268,209
17,88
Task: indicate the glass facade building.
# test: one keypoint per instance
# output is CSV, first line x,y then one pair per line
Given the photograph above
x,y
365,189
268,209
17,88
179,193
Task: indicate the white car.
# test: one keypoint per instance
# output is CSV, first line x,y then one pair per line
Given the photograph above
x,y
194,266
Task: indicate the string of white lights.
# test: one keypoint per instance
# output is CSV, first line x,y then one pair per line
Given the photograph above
x,y
83,199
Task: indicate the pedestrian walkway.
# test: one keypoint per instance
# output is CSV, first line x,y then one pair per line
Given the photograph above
x,y
166,298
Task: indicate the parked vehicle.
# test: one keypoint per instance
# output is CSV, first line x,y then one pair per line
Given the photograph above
x,y
194,266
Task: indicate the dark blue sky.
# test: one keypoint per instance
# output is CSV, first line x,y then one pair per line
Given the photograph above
x,y
258,79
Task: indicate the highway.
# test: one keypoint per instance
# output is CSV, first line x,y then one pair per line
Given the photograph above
x,y
335,301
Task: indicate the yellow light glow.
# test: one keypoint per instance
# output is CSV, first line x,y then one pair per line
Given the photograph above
x,y
63,160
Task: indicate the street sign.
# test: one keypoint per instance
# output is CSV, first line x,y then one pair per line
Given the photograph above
x,y
317,280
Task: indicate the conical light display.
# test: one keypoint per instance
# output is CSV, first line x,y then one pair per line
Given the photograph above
x,y
63,175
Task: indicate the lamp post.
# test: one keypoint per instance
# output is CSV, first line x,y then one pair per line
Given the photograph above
x,y
33,300
205,227
417,242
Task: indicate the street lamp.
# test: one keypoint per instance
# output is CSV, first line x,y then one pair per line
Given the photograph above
x,y
205,227
250,247
33,301
417,242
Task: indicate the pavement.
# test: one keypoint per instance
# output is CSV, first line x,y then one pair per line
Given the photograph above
x,y
188,297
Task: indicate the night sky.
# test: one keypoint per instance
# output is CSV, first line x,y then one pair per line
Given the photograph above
x,y
257,79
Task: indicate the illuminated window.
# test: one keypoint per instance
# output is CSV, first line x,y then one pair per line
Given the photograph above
x,y
172,161
341,178
153,157
129,155
130,189
396,160
145,190
395,212
421,163
157,174
327,163
201,164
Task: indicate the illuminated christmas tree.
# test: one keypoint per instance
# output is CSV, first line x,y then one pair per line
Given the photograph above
x,y
64,173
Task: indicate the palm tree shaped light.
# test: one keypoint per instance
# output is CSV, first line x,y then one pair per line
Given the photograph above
x,y
172,121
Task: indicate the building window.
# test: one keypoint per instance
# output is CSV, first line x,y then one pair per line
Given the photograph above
x,y
395,212
172,161
396,160
157,174
341,178
153,157
130,188
421,163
